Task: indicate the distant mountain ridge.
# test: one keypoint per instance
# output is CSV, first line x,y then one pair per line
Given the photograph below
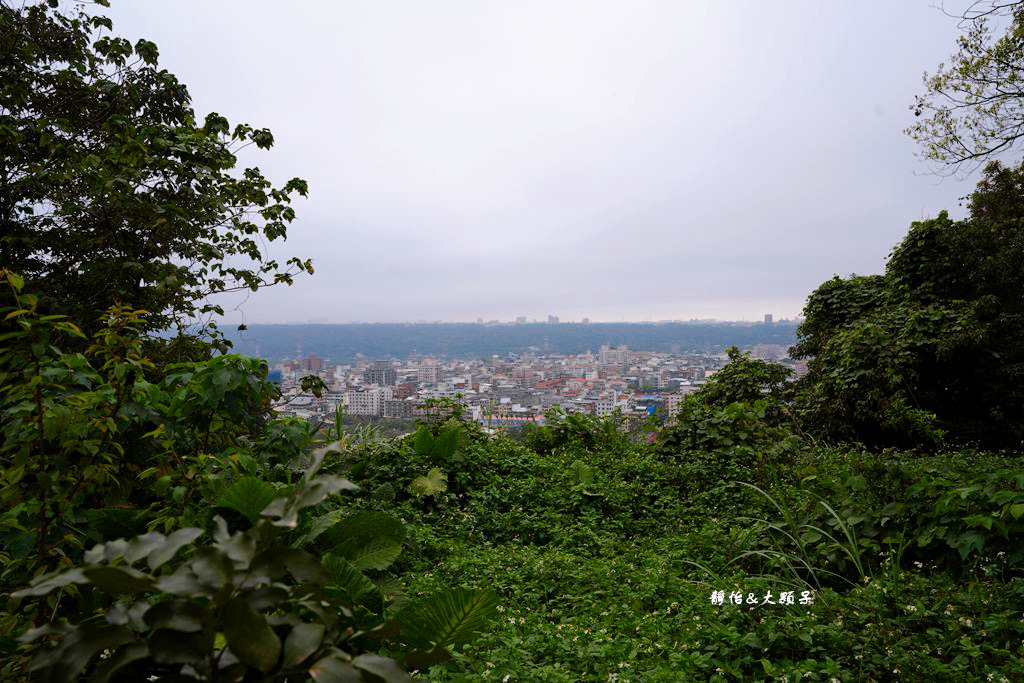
x,y
342,342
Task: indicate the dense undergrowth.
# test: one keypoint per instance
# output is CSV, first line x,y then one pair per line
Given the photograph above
x,y
607,552
578,551
158,522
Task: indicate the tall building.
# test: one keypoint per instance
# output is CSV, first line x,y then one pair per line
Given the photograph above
x,y
370,402
428,371
767,318
552,320
609,356
313,363
380,372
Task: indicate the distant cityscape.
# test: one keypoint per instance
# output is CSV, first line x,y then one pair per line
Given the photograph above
x,y
353,343
523,320
512,389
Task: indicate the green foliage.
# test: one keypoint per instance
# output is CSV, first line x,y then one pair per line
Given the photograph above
x,y
113,192
246,605
367,540
251,603
574,430
720,444
248,496
447,619
971,109
617,586
312,384
86,437
431,484
438,448
745,380
931,352
798,546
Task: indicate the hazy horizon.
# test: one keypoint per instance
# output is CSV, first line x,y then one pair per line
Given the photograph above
x,y
658,161
327,321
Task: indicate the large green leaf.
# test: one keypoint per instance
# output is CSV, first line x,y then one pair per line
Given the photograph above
x,y
382,667
445,445
448,618
177,615
118,579
248,496
48,582
319,526
378,553
334,670
423,441
430,485
273,563
285,511
103,524
349,579
168,646
369,540
170,547
142,545
362,527
249,636
580,473
302,641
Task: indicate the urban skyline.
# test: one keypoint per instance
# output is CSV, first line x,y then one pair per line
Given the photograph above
x,y
521,320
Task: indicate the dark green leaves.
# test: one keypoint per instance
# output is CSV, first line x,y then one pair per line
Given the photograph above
x,y
334,670
438,448
285,511
382,667
248,496
47,583
302,641
118,579
145,176
344,577
66,662
369,540
448,618
177,615
250,637
165,551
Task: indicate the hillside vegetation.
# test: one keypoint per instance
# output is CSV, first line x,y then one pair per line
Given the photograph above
x,y
159,522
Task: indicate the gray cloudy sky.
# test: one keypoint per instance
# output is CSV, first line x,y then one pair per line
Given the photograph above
x,y
623,160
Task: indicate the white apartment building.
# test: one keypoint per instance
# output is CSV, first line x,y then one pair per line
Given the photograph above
x,y
427,372
610,356
369,402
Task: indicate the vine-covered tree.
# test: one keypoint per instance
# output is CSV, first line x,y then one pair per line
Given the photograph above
x,y
972,110
933,350
111,190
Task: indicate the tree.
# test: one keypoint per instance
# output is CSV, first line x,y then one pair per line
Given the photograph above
x,y
745,380
110,190
973,108
933,350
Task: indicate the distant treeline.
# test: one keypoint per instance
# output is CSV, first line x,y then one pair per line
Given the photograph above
x,y
342,343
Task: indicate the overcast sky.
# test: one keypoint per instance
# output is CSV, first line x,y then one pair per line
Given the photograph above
x,y
623,160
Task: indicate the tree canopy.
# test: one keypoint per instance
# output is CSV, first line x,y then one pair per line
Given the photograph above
x,y
972,109
932,351
111,191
